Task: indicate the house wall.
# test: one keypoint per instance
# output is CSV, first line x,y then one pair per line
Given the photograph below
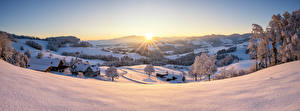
x,y
90,73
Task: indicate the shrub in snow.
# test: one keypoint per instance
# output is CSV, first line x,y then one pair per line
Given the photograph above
x,y
183,78
251,69
186,60
18,59
229,73
27,53
81,75
241,72
112,72
75,54
82,44
34,45
226,60
224,51
21,48
203,65
149,69
224,74
40,55
52,45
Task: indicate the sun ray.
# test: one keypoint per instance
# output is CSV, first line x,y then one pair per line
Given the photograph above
x,y
149,42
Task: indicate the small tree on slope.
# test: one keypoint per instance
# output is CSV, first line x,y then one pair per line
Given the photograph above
x,y
263,53
203,65
112,72
27,53
149,69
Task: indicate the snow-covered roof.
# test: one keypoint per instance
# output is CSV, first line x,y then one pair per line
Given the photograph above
x,y
95,68
43,63
82,67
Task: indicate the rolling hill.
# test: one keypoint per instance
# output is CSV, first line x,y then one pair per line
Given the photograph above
x,y
274,88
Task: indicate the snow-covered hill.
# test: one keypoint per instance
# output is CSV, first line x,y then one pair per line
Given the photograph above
x,y
272,89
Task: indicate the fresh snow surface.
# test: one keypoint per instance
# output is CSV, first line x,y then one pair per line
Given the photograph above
x,y
137,73
272,89
241,65
176,56
97,51
241,51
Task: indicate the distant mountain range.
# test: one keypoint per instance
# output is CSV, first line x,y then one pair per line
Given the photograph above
x,y
140,39
131,39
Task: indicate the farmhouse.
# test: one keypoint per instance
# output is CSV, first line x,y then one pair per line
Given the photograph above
x,y
47,64
87,69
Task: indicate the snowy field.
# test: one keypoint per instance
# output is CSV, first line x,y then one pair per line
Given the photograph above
x,y
272,89
97,51
137,73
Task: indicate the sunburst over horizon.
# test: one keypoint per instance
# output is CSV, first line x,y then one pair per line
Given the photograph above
x,y
148,36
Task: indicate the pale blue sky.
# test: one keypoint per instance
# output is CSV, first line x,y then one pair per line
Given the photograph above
x,y
102,19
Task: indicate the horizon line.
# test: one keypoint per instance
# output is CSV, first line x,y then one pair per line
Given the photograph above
x,y
116,37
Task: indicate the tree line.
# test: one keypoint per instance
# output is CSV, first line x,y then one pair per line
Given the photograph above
x,y
278,43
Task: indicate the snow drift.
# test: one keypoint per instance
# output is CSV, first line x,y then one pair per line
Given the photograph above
x,y
274,89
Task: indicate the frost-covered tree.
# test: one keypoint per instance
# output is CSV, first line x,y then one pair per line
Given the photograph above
x,y
275,37
263,53
112,72
5,46
290,51
252,48
282,35
253,42
296,45
211,67
193,73
149,69
258,45
203,65
7,53
27,53
290,25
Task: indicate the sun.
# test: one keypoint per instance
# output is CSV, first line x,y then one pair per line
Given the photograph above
x,y
148,36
